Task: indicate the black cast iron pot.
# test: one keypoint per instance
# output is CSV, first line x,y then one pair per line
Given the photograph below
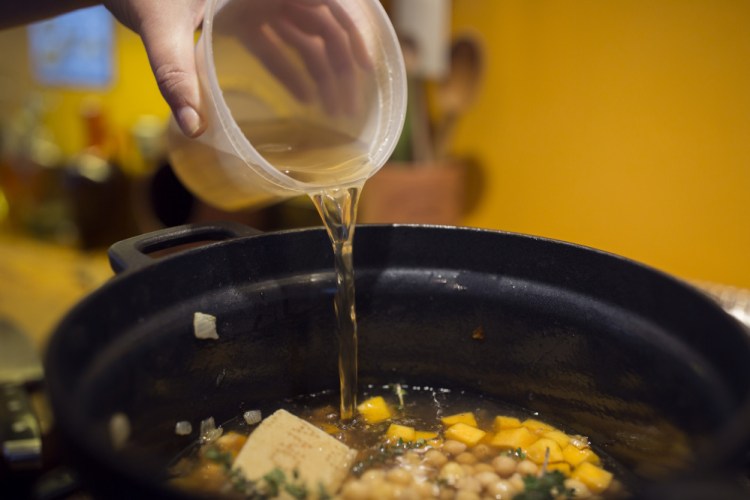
x,y
649,368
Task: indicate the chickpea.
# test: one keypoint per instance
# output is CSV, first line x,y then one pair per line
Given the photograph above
x,y
466,458
451,473
486,478
482,451
399,476
355,490
426,489
580,490
381,489
483,467
468,469
452,447
469,483
435,458
504,465
527,468
501,489
447,494
373,475
467,495
404,493
516,482
412,458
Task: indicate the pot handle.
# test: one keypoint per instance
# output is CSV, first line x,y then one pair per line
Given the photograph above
x,y
139,251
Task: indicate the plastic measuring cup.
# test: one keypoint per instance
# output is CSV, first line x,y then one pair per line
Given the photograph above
x,y
299,96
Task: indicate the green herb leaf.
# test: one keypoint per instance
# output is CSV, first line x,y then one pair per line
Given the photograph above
x,y
275,481
545,487
323,493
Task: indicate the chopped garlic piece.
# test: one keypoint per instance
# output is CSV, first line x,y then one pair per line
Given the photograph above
x,y
119,430
204,326
252,417
183,428
209,431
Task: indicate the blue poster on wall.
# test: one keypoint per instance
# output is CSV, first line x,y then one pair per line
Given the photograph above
x,y
75,49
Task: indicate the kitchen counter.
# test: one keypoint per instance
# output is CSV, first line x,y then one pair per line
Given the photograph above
x,y
41,281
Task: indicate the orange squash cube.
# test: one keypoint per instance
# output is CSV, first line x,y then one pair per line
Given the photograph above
x,y
538,450
502,422
403,432
467,418
374,410
464,433
511,439
596,478
575,456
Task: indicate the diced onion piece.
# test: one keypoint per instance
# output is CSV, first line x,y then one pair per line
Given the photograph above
x,y
204,326
209,431
580,442
252,417
119,430
183,428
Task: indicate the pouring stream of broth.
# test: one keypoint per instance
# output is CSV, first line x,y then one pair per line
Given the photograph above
x,y
315,153
338,209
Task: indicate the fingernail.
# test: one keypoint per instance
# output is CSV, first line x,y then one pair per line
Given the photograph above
x,y
189,120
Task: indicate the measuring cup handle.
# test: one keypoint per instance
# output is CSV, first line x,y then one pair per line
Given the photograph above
x,y
133,253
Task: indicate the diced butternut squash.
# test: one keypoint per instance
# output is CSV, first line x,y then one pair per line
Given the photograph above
x,y
575,456
426,435
487,439
463,418
596,478
207,477
559,437
403,432
231,442
502,422
537,426
430,438
563,467
538,449
329,428
464,433
511,439
375,410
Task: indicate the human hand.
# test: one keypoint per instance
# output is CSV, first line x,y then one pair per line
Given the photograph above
x,y
167,28
320,32
311,46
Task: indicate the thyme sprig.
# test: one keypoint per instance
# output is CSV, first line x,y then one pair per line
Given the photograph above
x,y
269,486
548,486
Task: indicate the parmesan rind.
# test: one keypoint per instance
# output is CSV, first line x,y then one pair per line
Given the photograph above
x,y
283,441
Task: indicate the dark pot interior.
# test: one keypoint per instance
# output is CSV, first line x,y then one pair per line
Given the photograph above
x,y
596,344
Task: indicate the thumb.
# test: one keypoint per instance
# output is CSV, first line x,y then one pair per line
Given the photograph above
x,y
171,54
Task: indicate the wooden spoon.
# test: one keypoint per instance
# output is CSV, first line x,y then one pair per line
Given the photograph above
x,y
456,93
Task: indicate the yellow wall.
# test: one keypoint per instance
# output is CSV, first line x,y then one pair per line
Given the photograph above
x,y
619,124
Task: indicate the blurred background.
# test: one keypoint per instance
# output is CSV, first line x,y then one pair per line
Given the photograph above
x,y
621,125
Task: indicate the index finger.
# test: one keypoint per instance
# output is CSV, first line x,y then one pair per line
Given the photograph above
x,y
358,46
355,38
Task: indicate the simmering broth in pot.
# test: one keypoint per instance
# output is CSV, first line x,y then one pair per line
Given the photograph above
x,y
417,442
